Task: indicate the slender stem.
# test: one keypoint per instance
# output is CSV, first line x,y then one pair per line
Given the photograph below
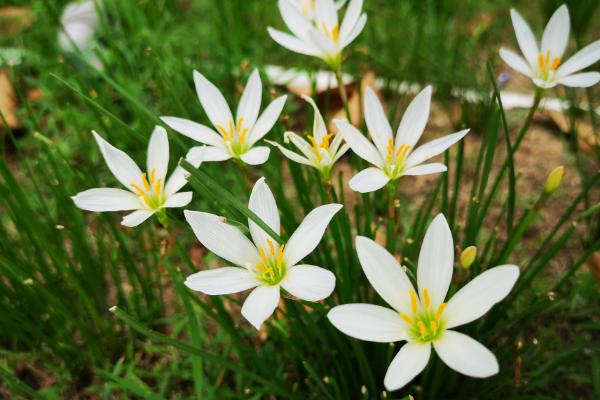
x,y
391,218
342,88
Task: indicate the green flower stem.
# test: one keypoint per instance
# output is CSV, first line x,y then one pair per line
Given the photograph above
x,y
163,218
342,88
391,217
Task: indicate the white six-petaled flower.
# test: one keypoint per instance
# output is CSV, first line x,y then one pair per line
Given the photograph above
x,y
148,192
323,150
394,158
320,36
262,263
233,138
544,65
422,318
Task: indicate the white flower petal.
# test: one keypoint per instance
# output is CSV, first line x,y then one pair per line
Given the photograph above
x,y
414,119
260,304
408,363
351,17
216,154
178,178
516,62
178,200
543,83
301,144
368,322
107,199
326,13
120,164
249,105
290,154
194,130
308,235
433,148
266,120
256,155
582,80
319,128
136,218
223,239
425,169
478,296
368,180
262,203
158,153
436,260
293,18
466,355
384,273
309,282
293,43
212,101
556,34
580,60
356,31
525,38
377,123
358,143
326,46
224,280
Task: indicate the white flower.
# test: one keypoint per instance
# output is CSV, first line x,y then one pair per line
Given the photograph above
x,y
394,158
79,22
423,318
320,36
264,265
545,65
235,137
323,150
308,7
148,192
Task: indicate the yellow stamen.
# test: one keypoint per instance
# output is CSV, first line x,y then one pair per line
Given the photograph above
x,y
157,187
433,325
262,254
541,62
243,135
406,318
138,189
335,33
222,131
440,311
401,153
280,255
271,247
555,63
325,141
152,176
145,181
413,301
315,146
260,266
422,328
426,297
390,150
239,123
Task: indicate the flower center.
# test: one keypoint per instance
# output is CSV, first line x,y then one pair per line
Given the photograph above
x,y
395,159
332,34
318,147
425,324
235,136
151,193
547,64
271,269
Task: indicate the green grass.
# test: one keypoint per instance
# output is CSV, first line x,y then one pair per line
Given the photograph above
x,y
62,269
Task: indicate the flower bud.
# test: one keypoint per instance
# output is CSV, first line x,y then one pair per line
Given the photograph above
x,y
468,256
554,179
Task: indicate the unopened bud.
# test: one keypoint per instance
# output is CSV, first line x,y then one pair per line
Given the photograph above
x,y
467,257
554,179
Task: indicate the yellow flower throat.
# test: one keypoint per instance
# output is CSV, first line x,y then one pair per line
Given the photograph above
x,y
151,192
395,159
425,324
272,267
547,64
323,145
